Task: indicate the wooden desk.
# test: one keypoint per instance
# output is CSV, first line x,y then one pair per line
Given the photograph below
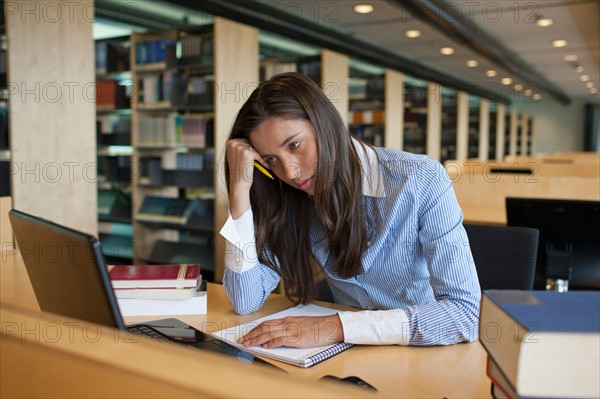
x,y
456,371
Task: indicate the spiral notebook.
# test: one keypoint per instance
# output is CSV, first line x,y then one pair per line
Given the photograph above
x,y
303,357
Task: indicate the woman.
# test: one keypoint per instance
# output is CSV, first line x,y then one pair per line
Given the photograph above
x,y
382,225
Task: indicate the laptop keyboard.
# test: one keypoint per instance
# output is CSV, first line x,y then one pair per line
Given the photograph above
x,y
147,331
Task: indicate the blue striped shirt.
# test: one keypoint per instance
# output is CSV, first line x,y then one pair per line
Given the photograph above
x,y
417,260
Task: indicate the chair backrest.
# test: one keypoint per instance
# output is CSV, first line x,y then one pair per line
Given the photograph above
x,y
505,257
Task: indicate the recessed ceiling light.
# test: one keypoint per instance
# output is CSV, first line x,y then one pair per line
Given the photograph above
x,y
593,90
363,8
559,43
518,87
544,22
584,78
528,92
412,33
447,50
589,85
537,96
578,69
472,63
491,73
506,81
570,57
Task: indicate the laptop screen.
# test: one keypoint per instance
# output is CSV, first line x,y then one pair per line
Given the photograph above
x,y
67,270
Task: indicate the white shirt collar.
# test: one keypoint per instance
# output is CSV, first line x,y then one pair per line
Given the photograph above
x,y
369,163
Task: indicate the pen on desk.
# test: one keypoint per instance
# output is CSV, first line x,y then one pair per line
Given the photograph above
x,y
263,170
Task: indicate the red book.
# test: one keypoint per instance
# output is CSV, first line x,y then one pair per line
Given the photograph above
x,y
155,276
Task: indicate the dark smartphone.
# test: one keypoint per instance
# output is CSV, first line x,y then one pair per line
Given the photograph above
x,y
352,380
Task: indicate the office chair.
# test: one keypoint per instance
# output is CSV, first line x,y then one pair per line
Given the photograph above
x,y
505,257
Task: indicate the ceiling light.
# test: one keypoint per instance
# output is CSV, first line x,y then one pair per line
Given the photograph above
x,y
528,92
537,96
589,85
447,50
363,8
593,90
518,87
491,73
472,63
559,43
584,78
412,33
506,81
570,57
544,22
578,69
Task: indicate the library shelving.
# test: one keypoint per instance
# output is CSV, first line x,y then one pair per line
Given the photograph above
x,y
113,139
367,107
4,136
449,124
473,129
173,146
415,117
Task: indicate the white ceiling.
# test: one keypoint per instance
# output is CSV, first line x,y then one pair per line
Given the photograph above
x,y
576,21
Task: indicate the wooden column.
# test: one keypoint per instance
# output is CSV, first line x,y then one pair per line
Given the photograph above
x,y
484,129
236,76
52,110
500,131
434,120
334,81
394,109
514,121
462,126
524,134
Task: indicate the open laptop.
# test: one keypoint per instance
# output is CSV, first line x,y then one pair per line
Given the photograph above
x,y
69,276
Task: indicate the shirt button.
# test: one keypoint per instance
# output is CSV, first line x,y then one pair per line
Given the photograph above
x,y
368,243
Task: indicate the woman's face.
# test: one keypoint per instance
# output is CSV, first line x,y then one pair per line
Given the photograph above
x,y
289,148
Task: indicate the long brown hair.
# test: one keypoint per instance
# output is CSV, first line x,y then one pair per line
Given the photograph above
x,y
283,214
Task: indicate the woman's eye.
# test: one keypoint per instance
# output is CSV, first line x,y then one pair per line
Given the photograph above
x,y
271,160
295,145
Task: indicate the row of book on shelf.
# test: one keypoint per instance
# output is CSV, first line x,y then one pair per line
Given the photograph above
x,y
158,290
190,47
192,130
172,89
542,344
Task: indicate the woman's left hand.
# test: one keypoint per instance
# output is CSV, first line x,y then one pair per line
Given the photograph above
x,y
296,332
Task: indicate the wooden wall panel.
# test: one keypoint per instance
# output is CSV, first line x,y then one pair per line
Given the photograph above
x,y
52,110
236,76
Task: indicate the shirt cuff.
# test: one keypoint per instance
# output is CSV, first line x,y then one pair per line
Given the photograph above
x,y
376,327
240,245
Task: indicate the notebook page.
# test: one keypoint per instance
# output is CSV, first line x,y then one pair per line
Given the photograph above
x,y
298,356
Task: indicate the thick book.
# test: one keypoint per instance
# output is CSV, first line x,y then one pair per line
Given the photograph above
x,y
303,357
501,388
546,343
195,305
158,293
155,276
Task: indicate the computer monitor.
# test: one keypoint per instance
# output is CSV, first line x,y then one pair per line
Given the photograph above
x,y
569,244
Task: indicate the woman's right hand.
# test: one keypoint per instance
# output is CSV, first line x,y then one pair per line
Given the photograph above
x,y
240,159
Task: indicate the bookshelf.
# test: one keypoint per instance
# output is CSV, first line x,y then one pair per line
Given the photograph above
x,y
449,124
186,92
4,136
415,116
473,147
173,146
367,106
113,142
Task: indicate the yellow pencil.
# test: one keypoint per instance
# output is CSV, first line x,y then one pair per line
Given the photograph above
x,y
263,170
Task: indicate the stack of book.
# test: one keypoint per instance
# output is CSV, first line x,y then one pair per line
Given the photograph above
x,y
542,344
156,290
